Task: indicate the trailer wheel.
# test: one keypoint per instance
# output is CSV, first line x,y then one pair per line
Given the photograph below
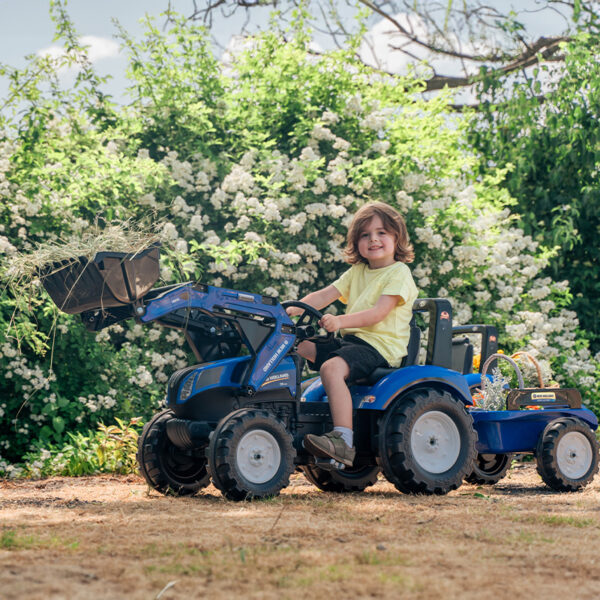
x,y
348,480
251,455
167,468
567,455
489,469
427,442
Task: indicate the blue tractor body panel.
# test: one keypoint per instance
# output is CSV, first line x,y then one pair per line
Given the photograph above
x,y
226,374
380,395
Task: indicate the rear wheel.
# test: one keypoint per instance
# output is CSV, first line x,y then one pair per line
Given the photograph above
x,y
427,442
251,455
167,468
489,469
567,455
348,480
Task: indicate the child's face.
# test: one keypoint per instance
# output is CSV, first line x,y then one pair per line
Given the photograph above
x,y
376,244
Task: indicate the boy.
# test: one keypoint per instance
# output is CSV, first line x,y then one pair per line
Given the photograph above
x,y
379,292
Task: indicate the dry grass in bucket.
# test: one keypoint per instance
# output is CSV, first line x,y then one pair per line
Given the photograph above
x,y
128,237
22,274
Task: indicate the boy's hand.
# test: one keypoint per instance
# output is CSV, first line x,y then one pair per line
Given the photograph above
x,y
330,322
294,311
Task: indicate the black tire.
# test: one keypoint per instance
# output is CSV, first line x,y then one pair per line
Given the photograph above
x,y
167,468
567,455
427,442
489,469
348,480
247,473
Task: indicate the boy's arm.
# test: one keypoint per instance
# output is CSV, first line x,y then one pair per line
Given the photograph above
x,y
364,318
319,299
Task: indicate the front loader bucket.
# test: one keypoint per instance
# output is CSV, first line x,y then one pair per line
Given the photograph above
x,y
109,280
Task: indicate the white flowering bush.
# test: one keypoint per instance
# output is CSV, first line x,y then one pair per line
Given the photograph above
x,y
254,174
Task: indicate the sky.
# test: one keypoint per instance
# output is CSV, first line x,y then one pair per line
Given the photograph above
x,y
26,28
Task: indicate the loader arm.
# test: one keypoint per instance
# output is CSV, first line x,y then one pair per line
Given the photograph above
x,y
262,323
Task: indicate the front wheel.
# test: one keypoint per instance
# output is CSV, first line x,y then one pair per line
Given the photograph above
x,y
251,455
349,480
489,469
427,442
567,455
167,468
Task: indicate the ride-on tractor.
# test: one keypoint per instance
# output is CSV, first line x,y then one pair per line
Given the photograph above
x,y
239,416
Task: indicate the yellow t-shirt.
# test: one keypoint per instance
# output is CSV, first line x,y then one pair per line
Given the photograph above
x,y
360,288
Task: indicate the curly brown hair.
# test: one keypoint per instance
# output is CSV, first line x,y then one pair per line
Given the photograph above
x,y
392,222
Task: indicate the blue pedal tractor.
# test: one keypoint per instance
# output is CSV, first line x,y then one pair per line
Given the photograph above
x,y
238,417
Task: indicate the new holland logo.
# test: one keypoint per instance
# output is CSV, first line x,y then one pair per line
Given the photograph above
x,y
543,396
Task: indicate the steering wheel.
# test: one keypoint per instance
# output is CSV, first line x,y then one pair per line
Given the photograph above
x,y
307,325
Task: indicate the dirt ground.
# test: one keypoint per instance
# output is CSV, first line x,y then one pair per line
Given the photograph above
x,y
111,538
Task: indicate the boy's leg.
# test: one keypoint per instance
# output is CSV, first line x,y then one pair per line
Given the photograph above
x,y
334,373
307,350
338,443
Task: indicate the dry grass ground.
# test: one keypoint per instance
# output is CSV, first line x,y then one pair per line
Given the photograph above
x,y
110,538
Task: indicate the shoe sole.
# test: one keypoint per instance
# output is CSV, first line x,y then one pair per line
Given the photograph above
x,y
320,453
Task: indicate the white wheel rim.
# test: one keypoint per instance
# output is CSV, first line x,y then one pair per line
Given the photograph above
x,y
258,456
574,455
435,442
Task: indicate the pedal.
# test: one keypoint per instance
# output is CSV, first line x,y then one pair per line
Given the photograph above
x,y
329,464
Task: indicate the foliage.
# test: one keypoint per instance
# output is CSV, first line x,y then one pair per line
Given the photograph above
x,y
109,449
545,130
255,169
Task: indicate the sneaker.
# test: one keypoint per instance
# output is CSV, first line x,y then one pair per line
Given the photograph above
x,y
330,445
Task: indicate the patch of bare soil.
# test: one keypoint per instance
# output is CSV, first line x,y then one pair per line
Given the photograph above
x,y
111,538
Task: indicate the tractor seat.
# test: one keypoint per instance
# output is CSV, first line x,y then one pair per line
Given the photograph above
x,y
411,358
462,355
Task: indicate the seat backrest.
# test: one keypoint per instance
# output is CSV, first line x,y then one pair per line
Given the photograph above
x,y
462,355
414,345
